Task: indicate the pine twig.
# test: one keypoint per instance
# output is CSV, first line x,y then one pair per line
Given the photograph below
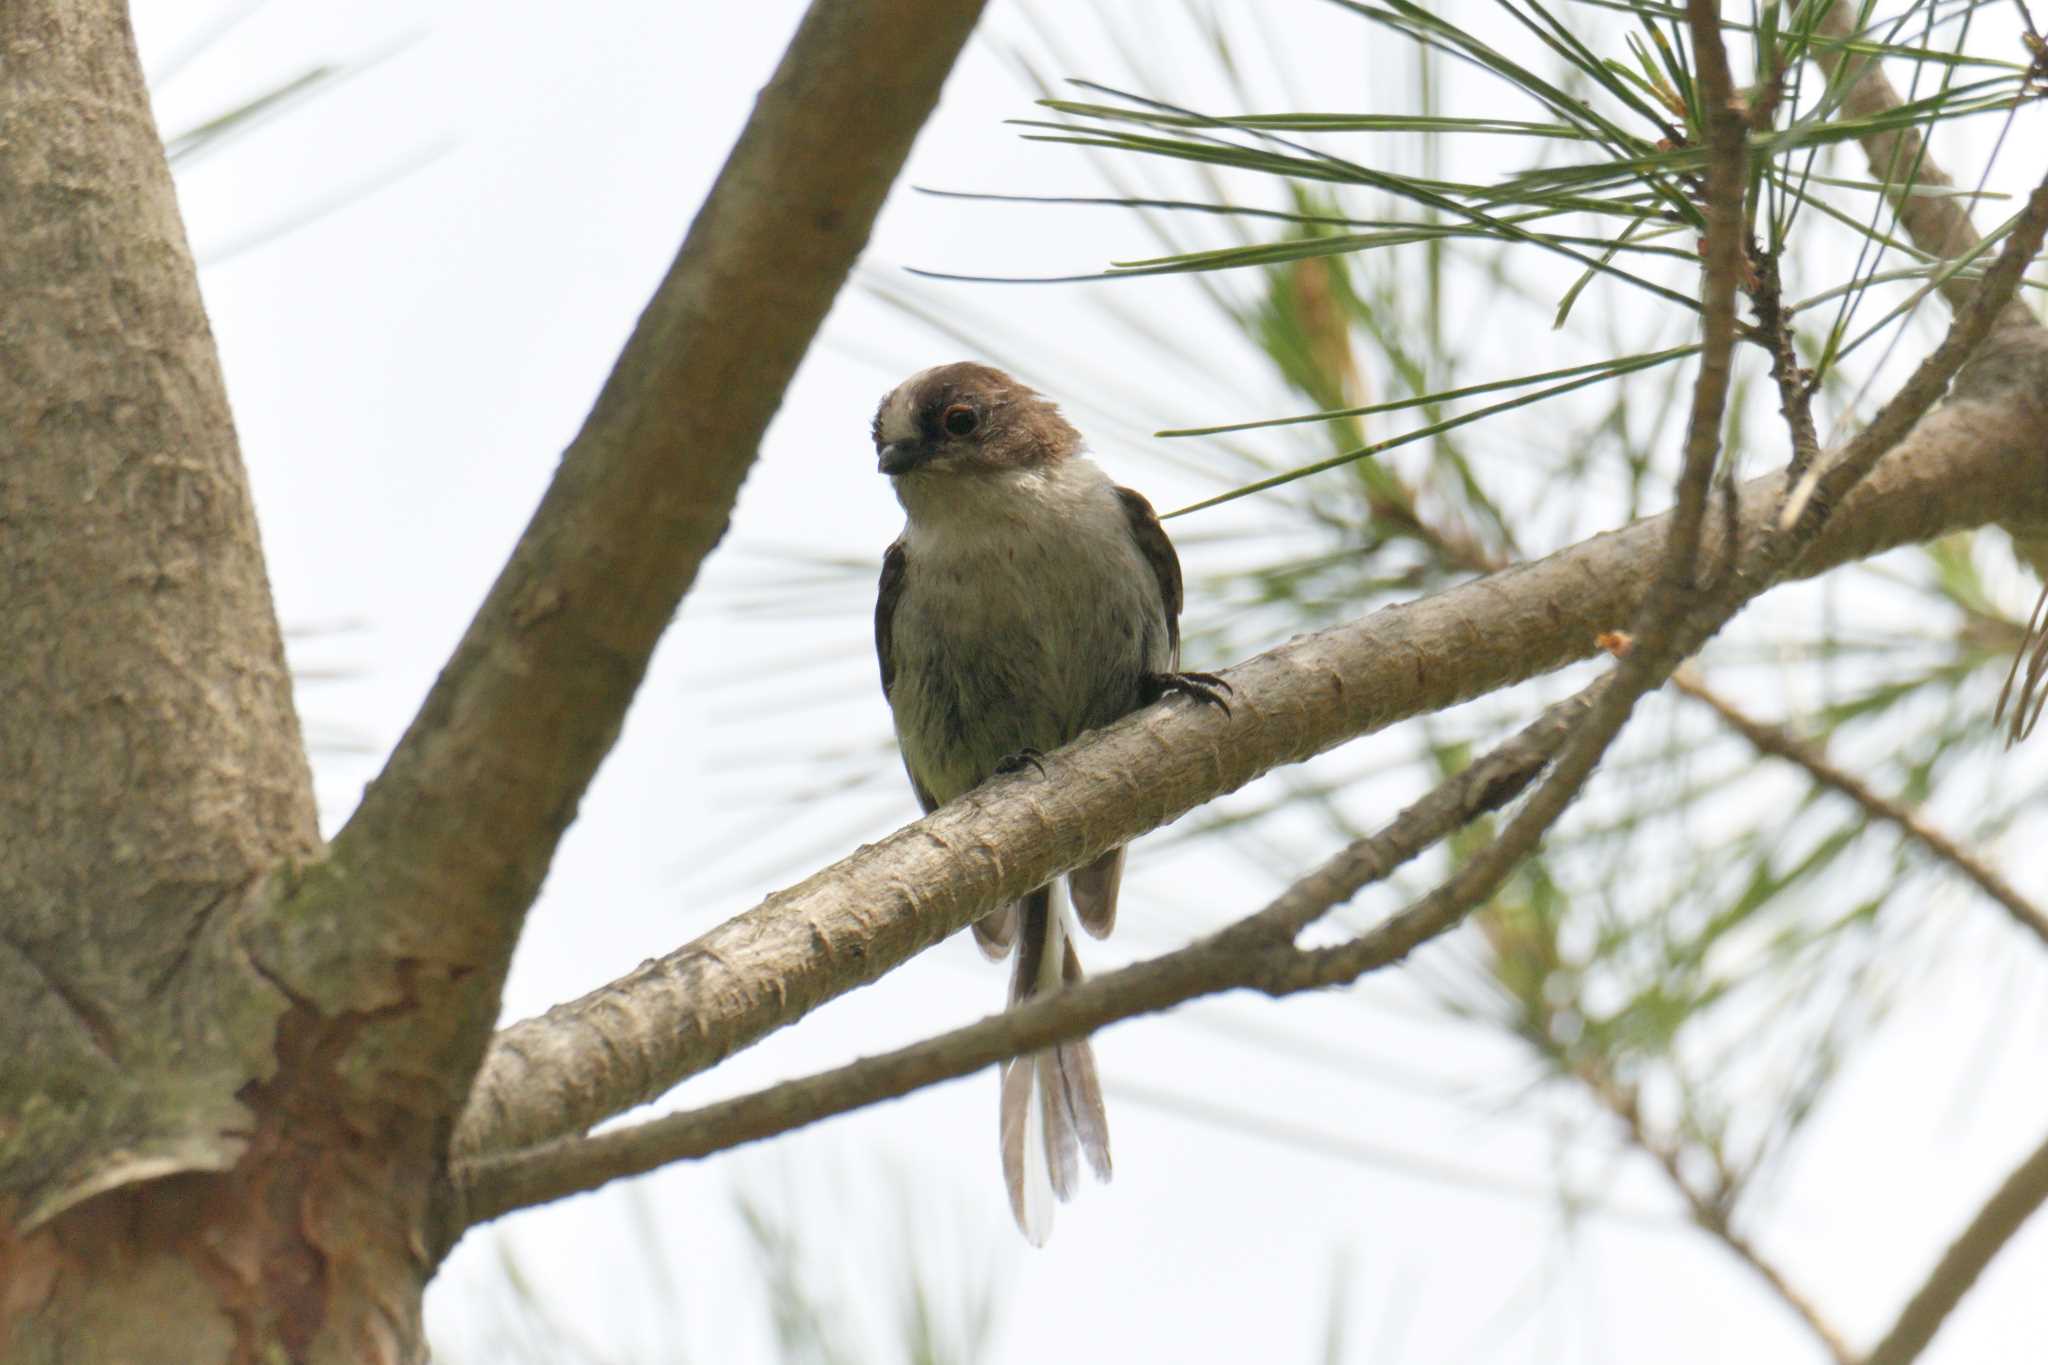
x,y
1777,742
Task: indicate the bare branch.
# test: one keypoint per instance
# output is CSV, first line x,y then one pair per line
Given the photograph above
x,y
1485,785
2002,1216
1780,743
1256,952
1709,1209
1723,255
1976,461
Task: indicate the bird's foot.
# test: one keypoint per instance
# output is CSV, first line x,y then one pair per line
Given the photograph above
x,y
1202,687
1019,761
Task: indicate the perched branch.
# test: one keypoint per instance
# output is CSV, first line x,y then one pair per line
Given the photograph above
x,y
1779,743
1246,954
2002,1216
1976,461
426,886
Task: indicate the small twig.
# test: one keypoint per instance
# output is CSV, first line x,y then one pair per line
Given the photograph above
x,y
1778,743
1660,636
2033,651
1939,224
1829,481
1710,1210
1794,381
2015,1201
1485,785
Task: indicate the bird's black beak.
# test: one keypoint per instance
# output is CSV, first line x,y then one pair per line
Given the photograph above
x,y
900,457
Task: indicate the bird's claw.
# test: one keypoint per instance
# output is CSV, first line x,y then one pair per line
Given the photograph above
x,y
1022,759
1203,687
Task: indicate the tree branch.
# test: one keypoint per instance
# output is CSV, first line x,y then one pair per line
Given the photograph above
x,y
1258,951
1777,742
424,890
1709,1211
1978,460
2015,1201
1939,224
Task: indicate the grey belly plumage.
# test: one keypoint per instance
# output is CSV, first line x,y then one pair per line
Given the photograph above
x,y
976,684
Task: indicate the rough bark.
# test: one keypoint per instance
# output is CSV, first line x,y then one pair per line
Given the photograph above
x,y
150,763
243,1053
151,771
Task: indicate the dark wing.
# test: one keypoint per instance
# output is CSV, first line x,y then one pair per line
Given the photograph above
x,y
1093,890
885,611
1158,552
885,648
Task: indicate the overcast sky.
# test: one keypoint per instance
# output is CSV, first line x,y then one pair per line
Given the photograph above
x,y
405,370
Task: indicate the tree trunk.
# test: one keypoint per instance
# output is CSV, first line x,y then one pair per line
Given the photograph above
x,y
173,1182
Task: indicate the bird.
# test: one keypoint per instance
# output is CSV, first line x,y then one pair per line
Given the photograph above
x,y
1028,599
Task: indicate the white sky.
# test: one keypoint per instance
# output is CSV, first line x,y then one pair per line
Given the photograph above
x,y
405,371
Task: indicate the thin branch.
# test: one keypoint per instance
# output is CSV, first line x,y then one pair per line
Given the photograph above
x,y
1710,1211
2002,1216
1779,743
1939,224
1256,952
1723,255
1982,310
1484,785
427,885
1662,619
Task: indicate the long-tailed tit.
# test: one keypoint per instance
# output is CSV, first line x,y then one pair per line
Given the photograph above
x,y
1027,600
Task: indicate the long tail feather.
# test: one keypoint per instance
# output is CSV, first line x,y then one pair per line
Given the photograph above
x,y
1045,1142
1083,1088
1031,1195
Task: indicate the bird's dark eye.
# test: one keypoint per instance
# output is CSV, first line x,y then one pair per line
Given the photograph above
x,y
960,420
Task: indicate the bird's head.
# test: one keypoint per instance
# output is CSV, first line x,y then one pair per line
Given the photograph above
x,y
965,419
